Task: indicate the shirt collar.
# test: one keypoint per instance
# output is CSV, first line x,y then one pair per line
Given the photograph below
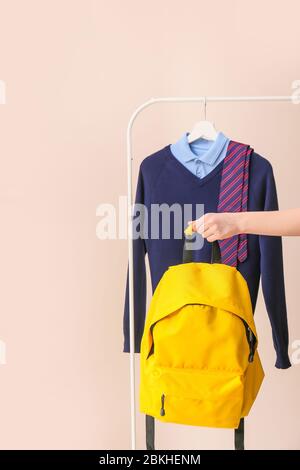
x,y
209,149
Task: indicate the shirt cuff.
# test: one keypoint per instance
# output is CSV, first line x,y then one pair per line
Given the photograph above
x,y
283,361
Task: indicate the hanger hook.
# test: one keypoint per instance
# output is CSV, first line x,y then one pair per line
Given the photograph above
x,y
204,108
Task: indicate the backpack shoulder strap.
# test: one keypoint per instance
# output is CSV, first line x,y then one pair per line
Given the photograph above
x,y
150,434
239,436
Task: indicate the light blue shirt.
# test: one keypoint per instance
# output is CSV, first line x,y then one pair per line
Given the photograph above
x,y
201,156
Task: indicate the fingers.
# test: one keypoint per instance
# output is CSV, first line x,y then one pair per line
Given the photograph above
x,y
197,225
200,225
210,233
206,227
216,226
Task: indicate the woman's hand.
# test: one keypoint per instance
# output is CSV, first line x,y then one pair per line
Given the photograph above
x,y
217,226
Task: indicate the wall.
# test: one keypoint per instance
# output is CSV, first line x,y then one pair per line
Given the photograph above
x,y
74,73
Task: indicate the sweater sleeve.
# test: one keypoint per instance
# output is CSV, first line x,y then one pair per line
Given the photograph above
x,y
139,277
272,279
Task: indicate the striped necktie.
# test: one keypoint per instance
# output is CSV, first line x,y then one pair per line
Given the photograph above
x,y
233,197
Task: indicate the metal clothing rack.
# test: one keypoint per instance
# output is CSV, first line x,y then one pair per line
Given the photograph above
x,y
204,100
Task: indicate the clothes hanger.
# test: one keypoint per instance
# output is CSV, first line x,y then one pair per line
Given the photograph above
x,y
203,129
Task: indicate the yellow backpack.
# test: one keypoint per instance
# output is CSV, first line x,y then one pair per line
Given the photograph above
x,y
199,359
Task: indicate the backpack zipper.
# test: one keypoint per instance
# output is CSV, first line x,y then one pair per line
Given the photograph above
x,y
162,410
252,341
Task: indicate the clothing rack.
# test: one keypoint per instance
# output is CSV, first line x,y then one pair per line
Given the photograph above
x,y
138,110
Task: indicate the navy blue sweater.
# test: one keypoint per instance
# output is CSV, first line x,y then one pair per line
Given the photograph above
x,y
163,179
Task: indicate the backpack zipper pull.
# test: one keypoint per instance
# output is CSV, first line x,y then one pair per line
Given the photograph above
x,y
252,344
162,410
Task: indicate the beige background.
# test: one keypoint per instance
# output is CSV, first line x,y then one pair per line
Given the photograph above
x,y
75,71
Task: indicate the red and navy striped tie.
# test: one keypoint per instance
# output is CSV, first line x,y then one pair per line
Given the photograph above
x,y
233,197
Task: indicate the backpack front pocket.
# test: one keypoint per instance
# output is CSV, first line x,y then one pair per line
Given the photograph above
x,y
202,337
195,397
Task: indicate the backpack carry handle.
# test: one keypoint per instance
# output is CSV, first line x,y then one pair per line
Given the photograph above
x,y
215,253
187,256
